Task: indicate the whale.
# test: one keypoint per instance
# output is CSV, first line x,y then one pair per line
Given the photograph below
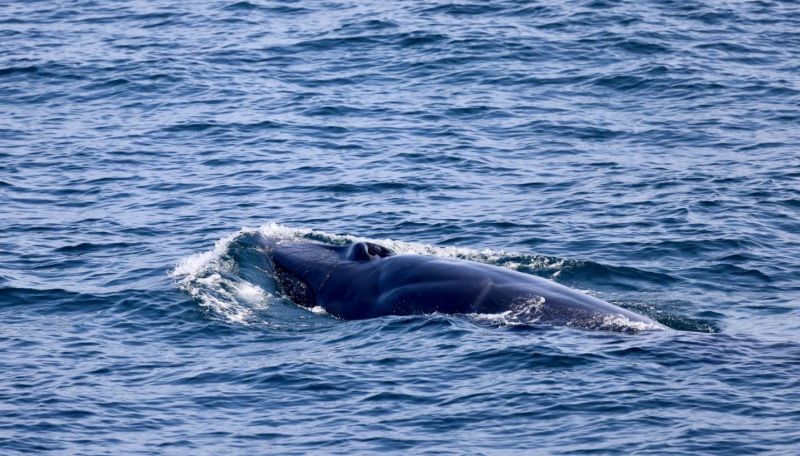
x,y
365,280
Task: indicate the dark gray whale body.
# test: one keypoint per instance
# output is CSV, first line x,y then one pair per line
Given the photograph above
x,y
366,280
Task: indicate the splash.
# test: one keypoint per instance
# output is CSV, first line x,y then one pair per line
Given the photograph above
x,y
211,279
525,312
623,323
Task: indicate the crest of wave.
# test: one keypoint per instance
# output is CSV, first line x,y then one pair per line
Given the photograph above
x,y
211,278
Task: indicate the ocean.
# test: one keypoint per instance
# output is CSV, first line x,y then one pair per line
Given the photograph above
x,y
646,153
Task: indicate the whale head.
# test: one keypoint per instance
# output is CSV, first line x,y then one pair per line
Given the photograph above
x,y
302,268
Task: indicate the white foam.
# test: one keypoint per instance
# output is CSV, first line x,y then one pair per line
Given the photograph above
x,y
194,264
318,310
252,294
526,312
276,231
500,319
623,323
207,277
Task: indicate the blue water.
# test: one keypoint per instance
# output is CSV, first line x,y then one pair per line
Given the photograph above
x,y
647,153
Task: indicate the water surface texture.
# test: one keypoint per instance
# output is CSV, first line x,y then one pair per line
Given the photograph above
x,y
645,152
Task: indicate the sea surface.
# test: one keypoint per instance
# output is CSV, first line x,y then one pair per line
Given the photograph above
x,y
644,152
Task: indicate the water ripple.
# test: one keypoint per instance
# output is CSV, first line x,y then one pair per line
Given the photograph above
x,y
642,152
